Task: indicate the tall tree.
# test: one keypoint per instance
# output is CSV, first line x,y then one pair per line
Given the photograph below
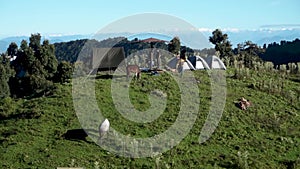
x,y
12,49
48,59
174,45
35,66
5,74
249,53
221,42
35,41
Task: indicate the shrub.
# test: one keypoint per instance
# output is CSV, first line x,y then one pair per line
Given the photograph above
x,y
64,72
7,107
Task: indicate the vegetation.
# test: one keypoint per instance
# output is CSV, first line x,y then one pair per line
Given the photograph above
x,y
64,72
69,51
264,136
33,130
247,54
221,42
174,46
250,55
283,53
5,73
35,66
31,69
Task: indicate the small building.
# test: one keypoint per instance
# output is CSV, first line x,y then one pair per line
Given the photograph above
x,y
153,40
107,58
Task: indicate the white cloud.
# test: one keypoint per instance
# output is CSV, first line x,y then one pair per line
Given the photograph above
x,y
222,29
55,35
230,30
205,30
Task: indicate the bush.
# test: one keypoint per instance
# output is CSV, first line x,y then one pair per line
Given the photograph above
x,y
7,107
64,72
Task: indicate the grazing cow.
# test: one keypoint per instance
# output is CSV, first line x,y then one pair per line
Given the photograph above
x,y
133,69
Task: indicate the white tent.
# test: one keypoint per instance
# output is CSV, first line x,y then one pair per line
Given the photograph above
x,y
198,62
215,63
187,65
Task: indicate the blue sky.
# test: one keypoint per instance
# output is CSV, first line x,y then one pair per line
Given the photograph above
x,y
23,17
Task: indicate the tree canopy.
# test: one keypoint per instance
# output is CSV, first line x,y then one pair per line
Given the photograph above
x,y
35,66
5,73
283,53
221,42
249,53
174,46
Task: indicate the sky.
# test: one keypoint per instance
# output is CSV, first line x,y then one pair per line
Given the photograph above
x,y
24,17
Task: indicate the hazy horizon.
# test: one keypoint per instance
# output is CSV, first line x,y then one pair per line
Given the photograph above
x,y
88,17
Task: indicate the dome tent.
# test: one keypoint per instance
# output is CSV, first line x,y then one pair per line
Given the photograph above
x,y
215,62
198,62
187,65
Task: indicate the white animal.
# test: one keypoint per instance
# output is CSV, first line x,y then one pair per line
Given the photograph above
x,y
103,128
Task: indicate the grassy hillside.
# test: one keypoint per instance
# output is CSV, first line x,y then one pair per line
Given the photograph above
x,y
267,135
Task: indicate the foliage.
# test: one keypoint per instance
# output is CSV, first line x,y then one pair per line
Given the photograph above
x,y
221,42
5,74
284,57
69,51
205,52
248,53
174,46
48,59
64,72
35,66
283,53
8,107
264,136
12,49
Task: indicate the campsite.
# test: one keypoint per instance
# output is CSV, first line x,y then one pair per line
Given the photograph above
x,y
150,84
45,130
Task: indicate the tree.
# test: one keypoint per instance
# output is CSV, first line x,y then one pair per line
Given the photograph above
x,y
249,53
283,53
64,72
35,66
35,42
5,74
48,59
221,43
12,49
174,45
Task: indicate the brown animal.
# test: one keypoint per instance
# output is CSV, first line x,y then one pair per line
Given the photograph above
x,y
244,104
133,69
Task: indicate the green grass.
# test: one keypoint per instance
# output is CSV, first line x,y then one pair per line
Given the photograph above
x,y
267,135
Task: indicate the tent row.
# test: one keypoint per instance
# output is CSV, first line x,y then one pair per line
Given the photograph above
x,y
110,58
198,63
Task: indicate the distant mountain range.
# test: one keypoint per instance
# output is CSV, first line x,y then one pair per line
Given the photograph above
x,y
259,36
4,43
